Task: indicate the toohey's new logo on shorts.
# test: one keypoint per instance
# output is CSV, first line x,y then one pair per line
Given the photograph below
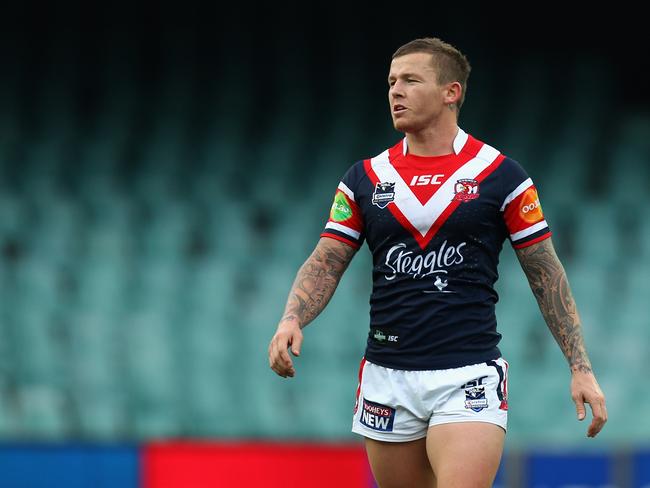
x,y
376,416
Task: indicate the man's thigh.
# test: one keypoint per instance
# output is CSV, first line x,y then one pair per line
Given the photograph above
x,y
465,454
400,464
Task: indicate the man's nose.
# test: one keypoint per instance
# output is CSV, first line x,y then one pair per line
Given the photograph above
x,y
396,90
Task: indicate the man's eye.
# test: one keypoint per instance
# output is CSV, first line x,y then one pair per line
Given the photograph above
x,y
411,80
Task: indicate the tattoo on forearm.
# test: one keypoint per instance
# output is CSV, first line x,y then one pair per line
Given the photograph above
x,y
316,281
550,286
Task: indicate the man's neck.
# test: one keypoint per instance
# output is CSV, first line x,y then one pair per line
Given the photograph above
x,y
434,141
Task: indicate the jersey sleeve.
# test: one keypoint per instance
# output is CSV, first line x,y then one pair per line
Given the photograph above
x,y
345,221
522,211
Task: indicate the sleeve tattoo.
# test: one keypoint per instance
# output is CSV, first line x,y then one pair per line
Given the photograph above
x,y
549,284
316,280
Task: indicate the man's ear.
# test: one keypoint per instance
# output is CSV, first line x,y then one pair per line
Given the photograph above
x,y
453,92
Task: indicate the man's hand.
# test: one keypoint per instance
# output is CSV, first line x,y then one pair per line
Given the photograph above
x,y
288,334
585,389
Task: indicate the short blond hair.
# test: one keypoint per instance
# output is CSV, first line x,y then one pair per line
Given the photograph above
x,y
450,64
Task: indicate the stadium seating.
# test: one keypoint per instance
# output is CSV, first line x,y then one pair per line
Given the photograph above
x,y
146,259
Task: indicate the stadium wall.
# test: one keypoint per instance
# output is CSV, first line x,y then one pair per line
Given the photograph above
x,y
253,464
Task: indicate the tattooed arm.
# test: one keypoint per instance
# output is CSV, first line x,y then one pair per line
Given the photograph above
x,y
549,284
311,291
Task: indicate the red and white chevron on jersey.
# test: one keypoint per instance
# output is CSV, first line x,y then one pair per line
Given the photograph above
x,y
424,219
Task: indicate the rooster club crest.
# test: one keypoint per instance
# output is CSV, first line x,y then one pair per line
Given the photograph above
x,y
384,194
466,190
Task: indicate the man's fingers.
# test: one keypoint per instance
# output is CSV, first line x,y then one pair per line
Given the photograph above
x,y
284,357
273,358
279,358
296,343
585,389
580,407
600,417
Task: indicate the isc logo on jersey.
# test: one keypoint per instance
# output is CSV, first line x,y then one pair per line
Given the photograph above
x,y
424,180
530,210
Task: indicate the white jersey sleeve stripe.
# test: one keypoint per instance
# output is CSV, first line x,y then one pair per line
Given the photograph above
x,y
342,228
345,189
516,192
530,230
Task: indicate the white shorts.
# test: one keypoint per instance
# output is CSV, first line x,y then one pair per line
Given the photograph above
x,y
399,406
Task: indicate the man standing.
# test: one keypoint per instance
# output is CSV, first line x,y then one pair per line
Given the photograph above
x,y
435,210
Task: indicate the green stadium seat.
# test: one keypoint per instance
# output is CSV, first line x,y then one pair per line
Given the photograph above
x,y
36,335
13,215
152,379
596,239
42,413
103,414
628,177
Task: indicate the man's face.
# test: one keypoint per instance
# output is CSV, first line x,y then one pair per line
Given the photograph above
x,y
414,95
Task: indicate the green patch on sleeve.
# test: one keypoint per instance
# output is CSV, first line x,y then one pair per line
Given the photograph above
x,y
340,208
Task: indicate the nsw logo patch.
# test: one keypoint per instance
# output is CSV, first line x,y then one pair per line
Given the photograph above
x,y
384,194
378,417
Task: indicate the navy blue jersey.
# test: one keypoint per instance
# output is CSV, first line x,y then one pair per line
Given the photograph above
x,y
435,227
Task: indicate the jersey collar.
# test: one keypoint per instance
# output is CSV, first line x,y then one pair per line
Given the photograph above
x,y
459,142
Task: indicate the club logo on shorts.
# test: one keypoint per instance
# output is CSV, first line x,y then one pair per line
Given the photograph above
x,y
466,190
475,394
384,194
475,398
376,416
